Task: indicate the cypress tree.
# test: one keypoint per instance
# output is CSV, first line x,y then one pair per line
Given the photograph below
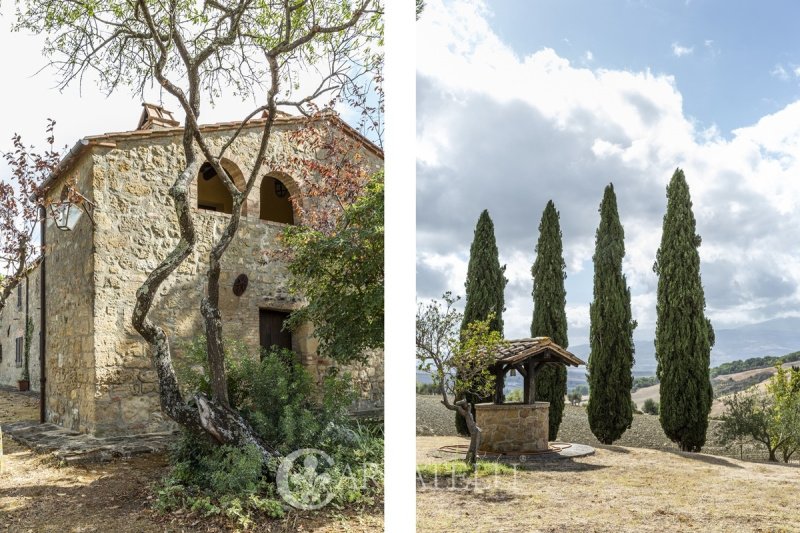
x,y
484,288
684,336
549,313
610,330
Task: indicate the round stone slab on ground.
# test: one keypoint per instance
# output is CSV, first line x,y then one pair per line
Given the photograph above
x,y
561,452
558,450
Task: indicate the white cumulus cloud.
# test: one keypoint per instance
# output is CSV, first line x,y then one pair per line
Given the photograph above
x,y
507,132
680,51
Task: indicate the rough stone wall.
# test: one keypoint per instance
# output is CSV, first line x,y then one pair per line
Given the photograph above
x,y
367,377
513,427
69,289
12,326
136,228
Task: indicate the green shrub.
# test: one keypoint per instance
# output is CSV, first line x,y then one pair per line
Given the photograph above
x,y
650,407
514,396
278,397
642,382
575,397
428,388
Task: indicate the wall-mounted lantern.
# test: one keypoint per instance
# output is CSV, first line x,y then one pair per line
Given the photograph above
x,y
67,212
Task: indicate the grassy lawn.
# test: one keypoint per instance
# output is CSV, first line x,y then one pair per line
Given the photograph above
x,y
618,489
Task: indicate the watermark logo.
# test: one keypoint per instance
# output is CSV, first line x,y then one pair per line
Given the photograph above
x,y
302,480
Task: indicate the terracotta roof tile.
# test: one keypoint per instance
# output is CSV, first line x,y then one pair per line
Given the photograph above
x,y
516,351
107,140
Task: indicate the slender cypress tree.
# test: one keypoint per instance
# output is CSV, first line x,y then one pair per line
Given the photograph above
x,y
610,330
485,277
549,313
684,335
484,288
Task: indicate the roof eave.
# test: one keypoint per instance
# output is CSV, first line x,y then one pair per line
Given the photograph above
x,y
107,139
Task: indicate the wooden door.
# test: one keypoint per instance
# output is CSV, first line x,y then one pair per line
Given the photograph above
x,y
270,330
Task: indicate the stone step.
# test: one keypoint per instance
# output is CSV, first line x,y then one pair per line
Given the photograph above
x,y
74,447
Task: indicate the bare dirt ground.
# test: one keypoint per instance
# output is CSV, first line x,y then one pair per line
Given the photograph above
x,y
618,489
38,495
644,394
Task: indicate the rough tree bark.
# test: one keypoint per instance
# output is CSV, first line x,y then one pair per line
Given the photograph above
x,y
463,409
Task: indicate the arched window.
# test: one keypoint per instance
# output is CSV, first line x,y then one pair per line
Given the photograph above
x,y
212,195
276,203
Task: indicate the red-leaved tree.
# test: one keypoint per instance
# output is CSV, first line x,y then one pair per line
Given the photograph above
x,y
20,201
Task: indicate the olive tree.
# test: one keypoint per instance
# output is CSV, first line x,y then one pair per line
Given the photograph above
x,y
194,51
770,417
457,359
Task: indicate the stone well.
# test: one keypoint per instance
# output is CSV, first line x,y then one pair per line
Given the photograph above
x,y
513,427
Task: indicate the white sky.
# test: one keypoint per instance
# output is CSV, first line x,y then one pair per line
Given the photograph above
x,y
30,98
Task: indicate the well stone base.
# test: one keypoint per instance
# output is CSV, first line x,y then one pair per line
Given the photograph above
x,y
513,427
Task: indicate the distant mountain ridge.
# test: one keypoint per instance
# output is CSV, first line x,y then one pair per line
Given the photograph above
x,y
776,337
773,337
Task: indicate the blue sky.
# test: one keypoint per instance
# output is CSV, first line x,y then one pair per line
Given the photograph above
x,y
522,102
726,56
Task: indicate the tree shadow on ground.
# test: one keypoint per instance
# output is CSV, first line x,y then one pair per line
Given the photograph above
x,y
115,501
121,499
703,458
558,465
611,448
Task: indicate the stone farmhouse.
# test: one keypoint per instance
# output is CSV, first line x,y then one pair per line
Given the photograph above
x,y
96,370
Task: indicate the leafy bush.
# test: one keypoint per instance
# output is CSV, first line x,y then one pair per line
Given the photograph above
x,y
583,390
278,397
642,382
514,396
575,397
650,407
428,388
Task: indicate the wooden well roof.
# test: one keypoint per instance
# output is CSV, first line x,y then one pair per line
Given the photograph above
x,y
539,348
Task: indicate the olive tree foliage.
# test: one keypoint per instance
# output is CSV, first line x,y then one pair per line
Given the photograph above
x,y
457,359
771,417
784,387
194,51
20,202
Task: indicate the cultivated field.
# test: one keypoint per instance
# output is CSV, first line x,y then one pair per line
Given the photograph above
x,y
645,432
